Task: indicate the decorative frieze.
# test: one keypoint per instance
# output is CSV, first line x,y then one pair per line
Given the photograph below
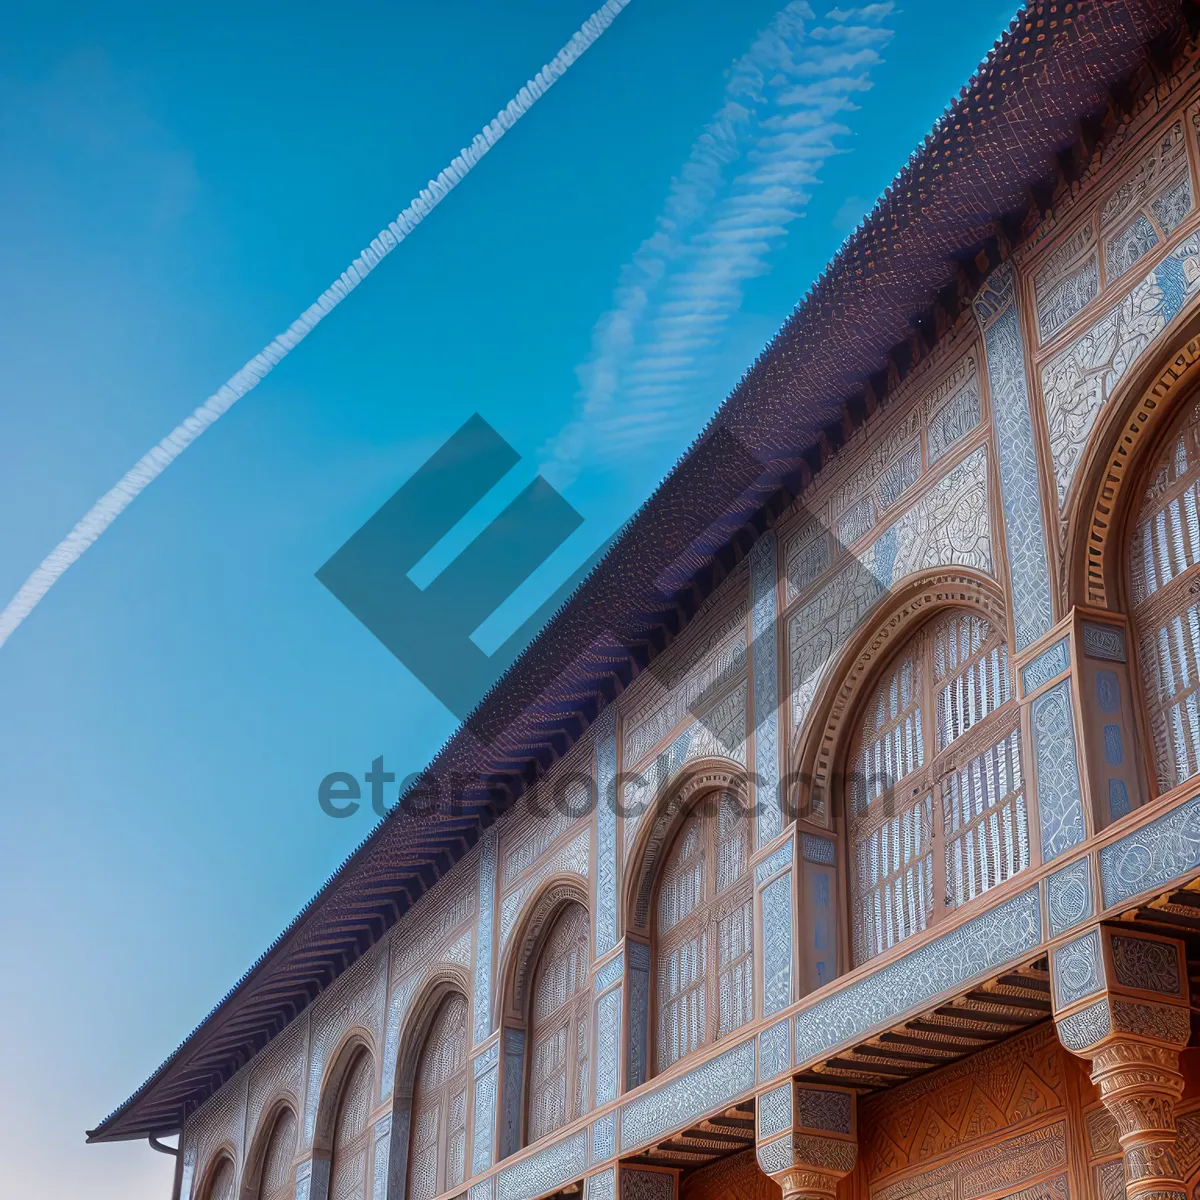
x,y
605,732
483,938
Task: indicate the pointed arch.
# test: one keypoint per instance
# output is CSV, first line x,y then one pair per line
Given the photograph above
x,y
270,1172
929,778
562,892
1105,494
443,983
220,1177
559,1009
437,1150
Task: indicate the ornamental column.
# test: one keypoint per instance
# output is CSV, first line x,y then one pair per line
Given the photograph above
x,y
807,1138
1121,1002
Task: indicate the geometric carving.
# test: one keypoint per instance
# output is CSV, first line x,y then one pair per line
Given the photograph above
x,y
766,688
1054,660
437,1149
718,1081
1060,805
775,1050
351,1136
1008,1164
989,940
1069,896
605,731
1019,491
969,1102
647,1185
1104,641
1077,969
810,1152
1147,965
1153,855
1133,1046
558,1163
278,1180
483,946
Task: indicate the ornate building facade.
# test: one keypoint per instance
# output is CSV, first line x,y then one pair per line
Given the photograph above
x,y
841,836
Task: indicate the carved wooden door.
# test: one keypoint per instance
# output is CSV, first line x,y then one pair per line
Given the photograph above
x,y
559,1016
704,932
438,1131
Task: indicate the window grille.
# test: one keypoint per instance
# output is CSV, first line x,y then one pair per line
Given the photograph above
x,y
438,1130
1164,561
351,1135
705,932
936,792
559,1014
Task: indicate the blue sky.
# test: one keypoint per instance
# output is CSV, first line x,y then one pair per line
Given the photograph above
x,y
179,185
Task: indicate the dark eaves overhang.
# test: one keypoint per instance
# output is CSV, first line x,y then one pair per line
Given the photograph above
x,y
1002,151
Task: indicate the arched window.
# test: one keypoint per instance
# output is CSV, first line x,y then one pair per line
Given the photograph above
x,y
936,797
351,1134
277,1180
220,1183
704,930
1164,571
559,1012
438,1138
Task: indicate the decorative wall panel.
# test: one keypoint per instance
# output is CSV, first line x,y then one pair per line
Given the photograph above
x,y
1054,660
948,526
990,940
1020,493
1060,802
602,1185
637,1059
487,1087
689,673
1151,856
775,1050
513,1091
986,1172
606,830
572,859
608,1045
1080,380
1077,969
1069,896
356,999
1068,281
764,656
544,1171
483,938
777,945
719,1081
604,1137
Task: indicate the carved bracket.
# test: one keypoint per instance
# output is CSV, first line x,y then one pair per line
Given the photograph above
x,y
807,1138
1121,1002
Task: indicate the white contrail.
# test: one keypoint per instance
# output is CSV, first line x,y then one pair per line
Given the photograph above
x,y
114,502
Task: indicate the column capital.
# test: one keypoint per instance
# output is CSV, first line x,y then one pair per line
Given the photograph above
x,y
1121,1002
807,1138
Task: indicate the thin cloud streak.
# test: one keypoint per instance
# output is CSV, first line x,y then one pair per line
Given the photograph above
x,y
749,175
152,464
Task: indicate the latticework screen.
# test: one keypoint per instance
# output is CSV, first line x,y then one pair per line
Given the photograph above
x,y
558,1026
438,1131
1164,573
278,1180
936,796
705,932
348,1170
